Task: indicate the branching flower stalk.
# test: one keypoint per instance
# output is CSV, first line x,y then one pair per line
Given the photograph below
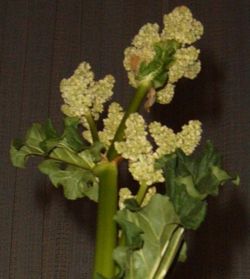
x,y
151,226
133,107
92,128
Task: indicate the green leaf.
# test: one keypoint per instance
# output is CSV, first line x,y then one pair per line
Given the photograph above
x,y
49,130
160,79
236,180
157,69
99,276
70,137
68,160
43,140
86,159
20,151
121,256
190,180
19,155
93,152
206,170
158,221
132,204
33,144
71,134
34,136
75,181
131,231
51,137
71,157
183,252
190,209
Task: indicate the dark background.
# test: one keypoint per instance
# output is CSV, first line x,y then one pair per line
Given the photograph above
x,y
44,236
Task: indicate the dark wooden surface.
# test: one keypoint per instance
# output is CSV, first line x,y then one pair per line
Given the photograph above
x,y
44,236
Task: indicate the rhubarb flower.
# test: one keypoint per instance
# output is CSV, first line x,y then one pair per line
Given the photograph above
x,y
160,59
83,95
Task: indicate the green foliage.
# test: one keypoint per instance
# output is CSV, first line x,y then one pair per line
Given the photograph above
x,y
132,204
190,180
71,135
131,231
32,145
76,182
156,70
99,276
68,160
183,252
153,225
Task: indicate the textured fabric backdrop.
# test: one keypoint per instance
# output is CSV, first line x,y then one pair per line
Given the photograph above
x,y
44,236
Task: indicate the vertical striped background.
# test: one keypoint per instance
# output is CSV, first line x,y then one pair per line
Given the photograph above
x,y
41,41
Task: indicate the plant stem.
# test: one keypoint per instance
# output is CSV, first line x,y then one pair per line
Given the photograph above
x,y
92,127
133,107
141,193
106,227
173,248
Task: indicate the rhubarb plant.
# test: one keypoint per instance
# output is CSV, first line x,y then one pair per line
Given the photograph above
x,y
138,235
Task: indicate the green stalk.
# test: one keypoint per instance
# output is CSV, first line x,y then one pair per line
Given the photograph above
x,y
92,127
133,107
155,71
172,250
141,193
106,227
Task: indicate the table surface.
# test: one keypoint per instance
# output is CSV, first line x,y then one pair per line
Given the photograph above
x,y
42,235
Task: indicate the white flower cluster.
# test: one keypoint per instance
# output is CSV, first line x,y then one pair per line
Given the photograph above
x,y
165,95
136,143
180,26
186,64
167,141
111,123
142,50
143,170
139,151
164,138
82,95
150,193
189,137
